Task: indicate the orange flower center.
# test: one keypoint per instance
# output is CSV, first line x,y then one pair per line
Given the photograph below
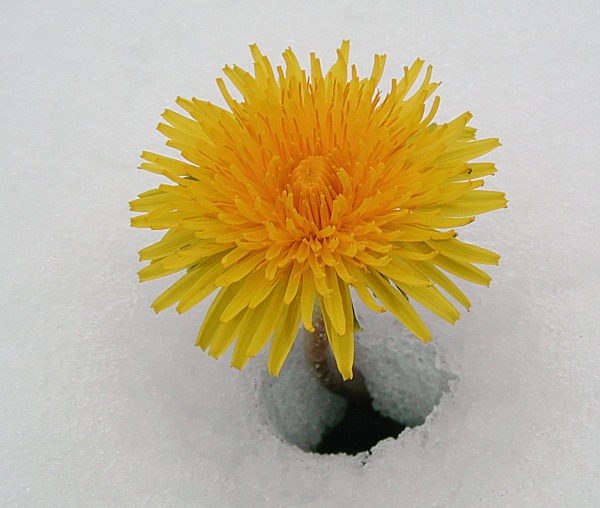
x,y
314,184
310,175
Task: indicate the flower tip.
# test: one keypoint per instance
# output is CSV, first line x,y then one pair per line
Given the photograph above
x,y
147,156
236,366
425,337
139,221
274,370
256,54
347,374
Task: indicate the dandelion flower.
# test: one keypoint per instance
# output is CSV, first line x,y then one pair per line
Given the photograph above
x,y
306,186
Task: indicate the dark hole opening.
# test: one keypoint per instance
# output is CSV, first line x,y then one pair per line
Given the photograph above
x,y
360,429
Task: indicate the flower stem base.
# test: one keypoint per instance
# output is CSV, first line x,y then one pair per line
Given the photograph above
x,y
318,354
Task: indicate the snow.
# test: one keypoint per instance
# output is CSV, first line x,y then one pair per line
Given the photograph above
x,y
106,404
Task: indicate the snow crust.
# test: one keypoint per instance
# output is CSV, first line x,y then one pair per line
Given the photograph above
x,y
105,404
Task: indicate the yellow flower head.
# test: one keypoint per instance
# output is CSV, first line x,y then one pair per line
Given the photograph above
x,y
308,186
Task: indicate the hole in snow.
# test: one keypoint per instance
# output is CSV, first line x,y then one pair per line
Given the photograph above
x,y
403,379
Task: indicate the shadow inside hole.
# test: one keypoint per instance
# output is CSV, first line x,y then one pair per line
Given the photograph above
x,y
360,429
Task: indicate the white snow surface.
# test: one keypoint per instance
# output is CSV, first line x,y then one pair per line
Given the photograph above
x,y
105,404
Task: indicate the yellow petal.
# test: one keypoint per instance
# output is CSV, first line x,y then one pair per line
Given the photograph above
x,y
342,344
464,251
463,270
285,333
397,304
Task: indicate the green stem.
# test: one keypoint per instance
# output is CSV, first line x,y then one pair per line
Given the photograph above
x,y
324,368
